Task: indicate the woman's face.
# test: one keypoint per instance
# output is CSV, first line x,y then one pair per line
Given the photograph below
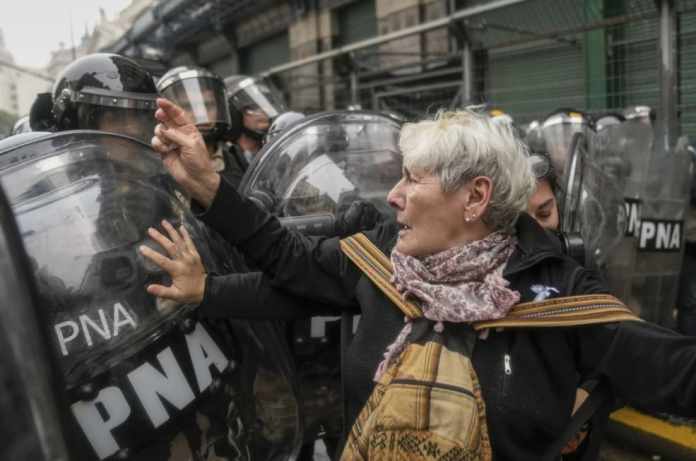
x,y
432,220
542,206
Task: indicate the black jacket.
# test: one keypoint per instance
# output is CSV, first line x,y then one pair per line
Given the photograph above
x,y
235,164
528,377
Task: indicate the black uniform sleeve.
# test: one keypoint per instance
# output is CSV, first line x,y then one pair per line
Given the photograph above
x,y
310,267
250,296
235,166
647,366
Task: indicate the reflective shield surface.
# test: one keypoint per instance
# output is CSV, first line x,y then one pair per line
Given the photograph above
x,y
146,379
644,270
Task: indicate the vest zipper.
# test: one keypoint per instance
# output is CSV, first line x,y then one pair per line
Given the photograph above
x,y
507,368
449,387
508,365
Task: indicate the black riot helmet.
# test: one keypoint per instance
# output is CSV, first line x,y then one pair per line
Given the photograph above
x,y
105,92
256,102
281,123
201,93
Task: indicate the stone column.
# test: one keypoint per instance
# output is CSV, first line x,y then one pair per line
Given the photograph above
x,y
309,35
392,16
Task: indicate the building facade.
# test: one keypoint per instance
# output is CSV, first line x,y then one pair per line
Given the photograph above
x,y
18,85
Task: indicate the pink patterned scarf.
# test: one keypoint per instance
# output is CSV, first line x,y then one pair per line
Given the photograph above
x,y
461,284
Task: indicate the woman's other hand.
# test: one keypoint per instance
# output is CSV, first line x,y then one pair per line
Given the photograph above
x,y
183,265
184,152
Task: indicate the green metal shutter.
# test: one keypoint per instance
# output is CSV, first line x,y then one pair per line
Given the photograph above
x,y
531,82
637,52
265,54
356,21
687,73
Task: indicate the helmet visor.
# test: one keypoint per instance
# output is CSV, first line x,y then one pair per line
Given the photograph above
x,y
203,98
136,123
558,131
258,96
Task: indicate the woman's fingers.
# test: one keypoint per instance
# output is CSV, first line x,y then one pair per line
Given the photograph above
x,y
164,292
187,240
170,112
161,146
172,136
167,244
158,259
174,235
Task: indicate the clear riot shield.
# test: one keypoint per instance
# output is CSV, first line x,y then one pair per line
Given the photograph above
x,y
146,379
591,207
644,269
308,176
30,388
558,132
318,167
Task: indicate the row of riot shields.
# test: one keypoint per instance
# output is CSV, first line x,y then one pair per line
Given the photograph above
x,y
138,378
656,184
626,197
129,376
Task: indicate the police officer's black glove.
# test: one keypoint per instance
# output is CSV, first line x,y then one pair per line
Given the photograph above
x,y
359,216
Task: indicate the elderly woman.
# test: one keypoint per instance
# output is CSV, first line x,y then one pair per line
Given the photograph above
x,y
460,241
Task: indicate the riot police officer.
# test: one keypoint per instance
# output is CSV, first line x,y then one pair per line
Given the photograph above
x,y
255,102
101,91
202,94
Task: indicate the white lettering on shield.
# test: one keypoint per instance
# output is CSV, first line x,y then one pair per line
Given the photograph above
x,y
110,409
95,323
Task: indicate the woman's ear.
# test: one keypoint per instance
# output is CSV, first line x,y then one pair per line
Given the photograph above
x,y
480,191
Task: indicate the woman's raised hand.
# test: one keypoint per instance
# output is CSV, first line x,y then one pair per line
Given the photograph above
x,y
184,152
183,265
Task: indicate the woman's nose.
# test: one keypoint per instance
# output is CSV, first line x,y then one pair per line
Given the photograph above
x,y
395,197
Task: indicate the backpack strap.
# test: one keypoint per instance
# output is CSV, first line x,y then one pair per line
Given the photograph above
x,y
565,311
556,312
378,268
596,407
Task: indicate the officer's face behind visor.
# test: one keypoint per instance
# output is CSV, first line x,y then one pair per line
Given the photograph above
x,y
136,123
202,98
259,97
256,119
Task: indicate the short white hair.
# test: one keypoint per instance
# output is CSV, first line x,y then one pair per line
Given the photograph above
x,y
459,146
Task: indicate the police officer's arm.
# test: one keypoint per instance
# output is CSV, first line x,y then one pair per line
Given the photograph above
x,y
646,365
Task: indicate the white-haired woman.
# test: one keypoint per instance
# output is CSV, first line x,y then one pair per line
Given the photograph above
x,y
462,248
